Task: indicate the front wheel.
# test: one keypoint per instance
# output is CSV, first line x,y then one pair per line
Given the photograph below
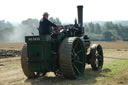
x,y
97,58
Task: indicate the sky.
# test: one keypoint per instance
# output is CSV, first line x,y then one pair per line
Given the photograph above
x,y
65,10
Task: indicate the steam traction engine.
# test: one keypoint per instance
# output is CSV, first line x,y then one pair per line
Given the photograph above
x,y
64,51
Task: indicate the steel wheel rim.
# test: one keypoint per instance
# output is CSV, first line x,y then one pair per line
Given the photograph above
x,y
99,56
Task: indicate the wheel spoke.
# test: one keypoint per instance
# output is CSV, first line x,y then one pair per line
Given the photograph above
x,y
75,45
77,58
79,62
99,50
99,57
74,53
79,52
76,69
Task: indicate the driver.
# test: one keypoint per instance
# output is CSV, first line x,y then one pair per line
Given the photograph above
x,y
45,24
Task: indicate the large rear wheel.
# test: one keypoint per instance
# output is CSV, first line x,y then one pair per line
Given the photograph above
x,y
72,57
25,64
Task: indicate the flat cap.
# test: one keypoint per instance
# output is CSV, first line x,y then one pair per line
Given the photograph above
x,y
45,13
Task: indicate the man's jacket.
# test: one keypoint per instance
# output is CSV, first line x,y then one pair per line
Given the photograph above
x,y
44,26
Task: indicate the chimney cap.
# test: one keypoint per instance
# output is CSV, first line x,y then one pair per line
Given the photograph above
x,y
80,6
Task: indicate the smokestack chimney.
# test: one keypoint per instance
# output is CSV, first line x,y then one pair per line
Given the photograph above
x,y
80,15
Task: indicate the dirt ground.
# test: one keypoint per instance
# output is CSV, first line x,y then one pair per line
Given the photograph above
x,y
11,71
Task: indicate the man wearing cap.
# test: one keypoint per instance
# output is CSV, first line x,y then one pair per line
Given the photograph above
x,y
45,24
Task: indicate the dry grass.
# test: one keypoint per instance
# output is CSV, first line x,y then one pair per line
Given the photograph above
x,y
11,46
113,45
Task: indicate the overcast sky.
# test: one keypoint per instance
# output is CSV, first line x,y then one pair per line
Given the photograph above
x,y
65,10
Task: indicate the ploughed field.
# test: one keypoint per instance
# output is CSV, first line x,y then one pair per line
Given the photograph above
x,y
114,72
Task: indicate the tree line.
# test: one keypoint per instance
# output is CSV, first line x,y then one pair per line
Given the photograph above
x,y
108,31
